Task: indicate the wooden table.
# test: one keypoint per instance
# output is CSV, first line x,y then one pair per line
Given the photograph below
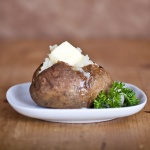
x,y
125,60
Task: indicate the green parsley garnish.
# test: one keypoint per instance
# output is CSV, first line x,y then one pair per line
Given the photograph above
x,y
118,96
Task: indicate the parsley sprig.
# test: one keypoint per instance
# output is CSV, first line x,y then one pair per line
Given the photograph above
x,y
118,96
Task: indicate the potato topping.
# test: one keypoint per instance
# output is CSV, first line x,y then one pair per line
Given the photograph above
x,y
67,53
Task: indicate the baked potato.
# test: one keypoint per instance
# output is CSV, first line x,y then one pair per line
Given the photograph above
x,y
61,86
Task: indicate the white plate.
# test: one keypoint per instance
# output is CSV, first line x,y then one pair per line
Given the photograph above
x,y
19,98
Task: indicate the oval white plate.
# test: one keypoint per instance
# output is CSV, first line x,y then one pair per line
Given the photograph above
x,y
19,98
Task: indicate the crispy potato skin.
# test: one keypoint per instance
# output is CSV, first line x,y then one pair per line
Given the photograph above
x,y
61,87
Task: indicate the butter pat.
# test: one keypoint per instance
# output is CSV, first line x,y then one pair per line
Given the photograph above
x,y
66,53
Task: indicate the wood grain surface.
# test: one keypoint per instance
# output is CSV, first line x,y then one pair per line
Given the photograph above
x,y
125,60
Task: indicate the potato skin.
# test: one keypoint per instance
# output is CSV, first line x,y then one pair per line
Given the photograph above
x,y
62,87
